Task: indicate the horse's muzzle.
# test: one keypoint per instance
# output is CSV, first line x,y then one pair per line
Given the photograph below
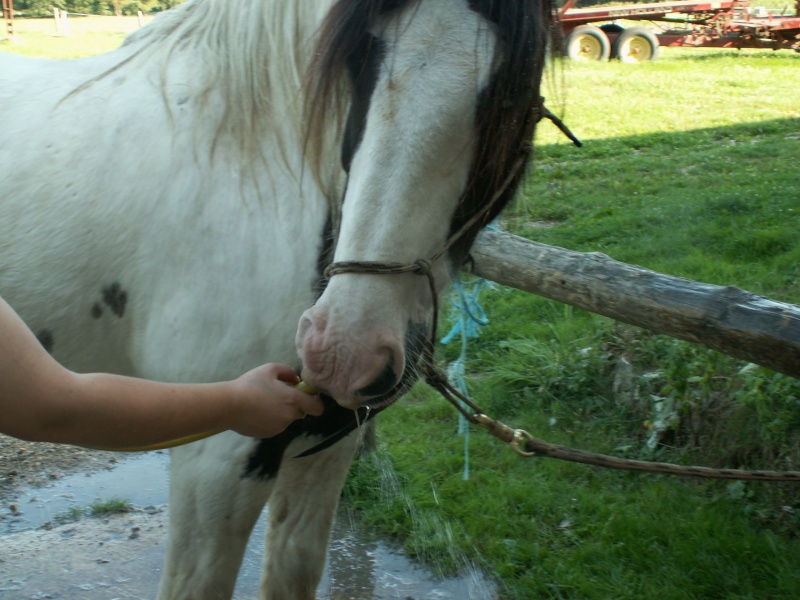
x,y
358,376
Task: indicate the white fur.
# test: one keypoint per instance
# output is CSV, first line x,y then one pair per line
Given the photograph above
x,y
406,179
174,167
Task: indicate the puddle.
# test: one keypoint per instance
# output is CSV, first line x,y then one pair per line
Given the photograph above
x,y
142,480
121,557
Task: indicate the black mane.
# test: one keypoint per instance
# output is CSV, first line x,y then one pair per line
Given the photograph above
x,y
508,109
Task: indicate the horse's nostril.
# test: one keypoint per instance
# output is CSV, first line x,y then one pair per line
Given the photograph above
x,y
383,383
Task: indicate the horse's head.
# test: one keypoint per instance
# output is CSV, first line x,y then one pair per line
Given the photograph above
x,y
443,98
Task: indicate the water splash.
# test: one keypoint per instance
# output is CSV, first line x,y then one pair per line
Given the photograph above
x,y
361,426
436,538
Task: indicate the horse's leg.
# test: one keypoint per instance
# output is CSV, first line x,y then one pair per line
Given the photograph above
x,y
212,510
302,507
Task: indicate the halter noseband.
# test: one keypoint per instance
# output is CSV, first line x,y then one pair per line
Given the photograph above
x,y
424,266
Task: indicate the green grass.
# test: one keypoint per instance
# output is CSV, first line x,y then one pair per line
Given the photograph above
x,y
88,36
722,205
98,508
677,158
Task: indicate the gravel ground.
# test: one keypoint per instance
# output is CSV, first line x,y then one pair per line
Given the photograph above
x,y
117,557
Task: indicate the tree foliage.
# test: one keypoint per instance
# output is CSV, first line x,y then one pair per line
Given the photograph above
x,y
44,8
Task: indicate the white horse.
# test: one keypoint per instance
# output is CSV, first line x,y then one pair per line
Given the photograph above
x,y
166,211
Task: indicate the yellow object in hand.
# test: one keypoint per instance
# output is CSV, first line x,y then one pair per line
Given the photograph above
x,y
305,388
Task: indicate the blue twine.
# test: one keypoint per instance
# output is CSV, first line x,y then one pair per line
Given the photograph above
x,y
471,317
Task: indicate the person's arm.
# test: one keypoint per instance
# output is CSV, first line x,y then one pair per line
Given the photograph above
x,y
42,401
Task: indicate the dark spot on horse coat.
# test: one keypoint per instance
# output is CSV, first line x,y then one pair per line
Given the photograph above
x,y
46,339
116,298
334,424
97,310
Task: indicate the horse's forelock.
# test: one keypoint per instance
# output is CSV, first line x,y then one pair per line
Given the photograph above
x,y
328,93
504,116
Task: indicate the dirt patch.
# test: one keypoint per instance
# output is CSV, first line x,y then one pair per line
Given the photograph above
x,y
95,559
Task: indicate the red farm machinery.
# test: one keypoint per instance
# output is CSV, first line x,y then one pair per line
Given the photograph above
x,y
596,33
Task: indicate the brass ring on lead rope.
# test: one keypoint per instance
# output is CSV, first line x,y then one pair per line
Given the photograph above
x,y
519,435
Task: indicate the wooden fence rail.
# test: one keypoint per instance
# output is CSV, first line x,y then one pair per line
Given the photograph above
x,y
724,318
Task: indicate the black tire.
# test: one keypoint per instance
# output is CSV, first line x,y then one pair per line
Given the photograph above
x,y
587,42
635,45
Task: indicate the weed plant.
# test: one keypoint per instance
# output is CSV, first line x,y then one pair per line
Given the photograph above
x,y
98,508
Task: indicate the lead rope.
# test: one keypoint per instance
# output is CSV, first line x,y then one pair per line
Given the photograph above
x,y
526,445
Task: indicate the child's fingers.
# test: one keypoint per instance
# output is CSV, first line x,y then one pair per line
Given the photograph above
x,y
285,373
311,405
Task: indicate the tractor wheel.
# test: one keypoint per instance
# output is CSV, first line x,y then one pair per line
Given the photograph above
x,y
587,42
634,45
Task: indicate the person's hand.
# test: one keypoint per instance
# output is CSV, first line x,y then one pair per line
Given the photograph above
x,y
268,403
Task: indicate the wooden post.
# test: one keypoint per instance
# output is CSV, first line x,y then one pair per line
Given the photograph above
x,y
58,20
724,318
8,16
65,23
141,19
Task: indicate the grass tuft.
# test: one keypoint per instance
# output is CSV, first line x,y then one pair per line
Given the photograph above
x,y
98,508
